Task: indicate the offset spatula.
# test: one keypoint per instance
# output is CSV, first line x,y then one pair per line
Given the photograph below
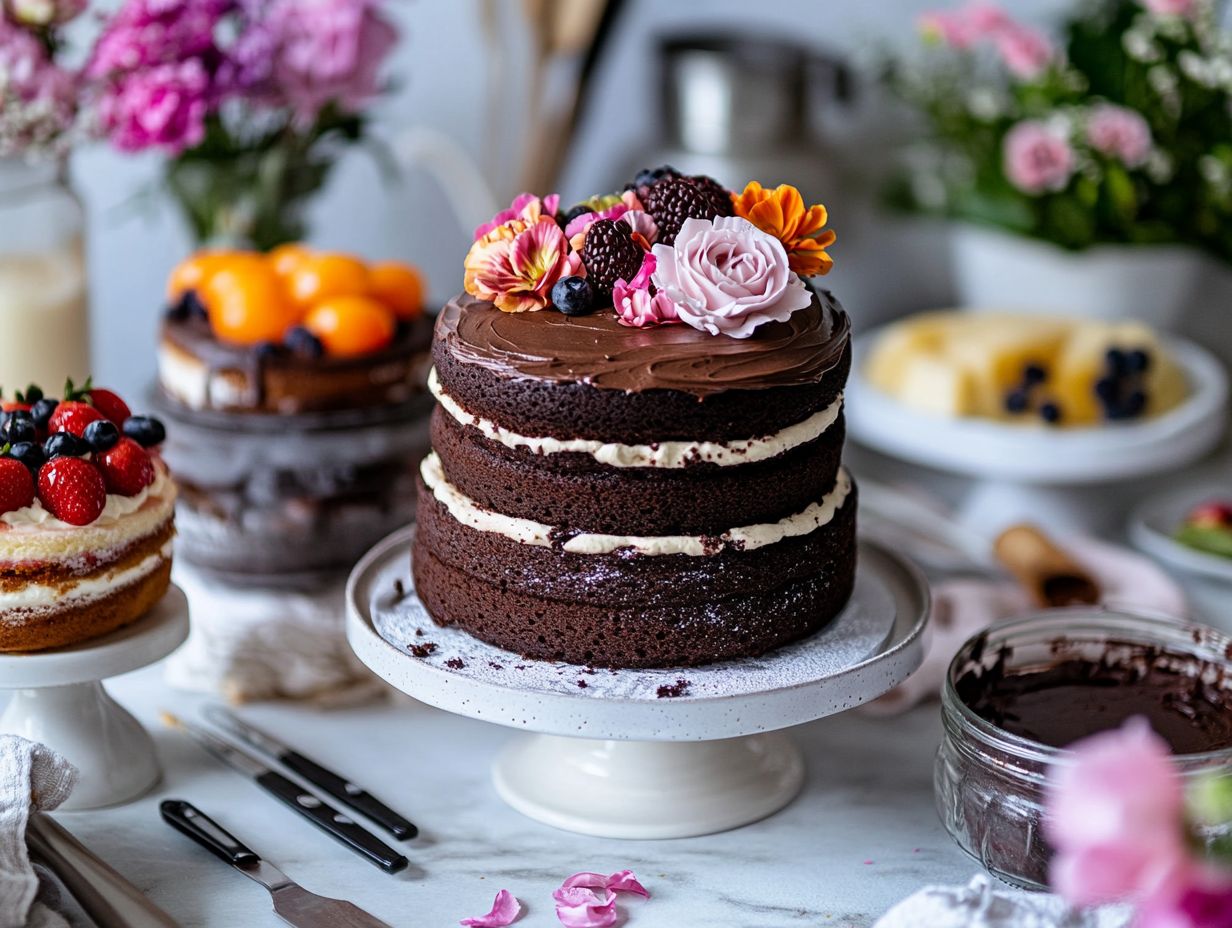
x,y
292,903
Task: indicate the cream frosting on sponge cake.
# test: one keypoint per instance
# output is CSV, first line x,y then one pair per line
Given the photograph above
x,y
87,518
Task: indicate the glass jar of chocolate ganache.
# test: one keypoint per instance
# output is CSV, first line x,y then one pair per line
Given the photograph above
x,y
1018,693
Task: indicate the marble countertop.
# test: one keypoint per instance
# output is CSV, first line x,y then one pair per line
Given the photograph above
x,y
862,834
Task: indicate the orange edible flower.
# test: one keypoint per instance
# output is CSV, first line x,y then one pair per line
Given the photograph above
x,y
780,212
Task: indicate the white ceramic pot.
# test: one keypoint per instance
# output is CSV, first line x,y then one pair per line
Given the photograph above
x,y
996,270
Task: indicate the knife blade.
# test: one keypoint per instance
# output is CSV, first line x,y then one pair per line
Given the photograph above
x,y
304,802
292,903
339,787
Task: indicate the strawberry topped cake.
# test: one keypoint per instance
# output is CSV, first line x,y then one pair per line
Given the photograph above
x,y
86,517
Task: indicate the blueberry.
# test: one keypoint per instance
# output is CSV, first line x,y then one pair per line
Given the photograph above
x,y
18,426
266,350
65,445
573,296
1033,374
145,430
1138,361
1115,361
1135,404
1016,401
101,434
303,343
1050,412
647,176
580,210
42,410
29,453
1106,389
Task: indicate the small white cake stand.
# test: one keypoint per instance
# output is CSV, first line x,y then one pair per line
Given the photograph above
x,y
1062,477
58,699
612,757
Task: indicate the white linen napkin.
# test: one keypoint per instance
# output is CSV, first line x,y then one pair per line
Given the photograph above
x,y
249,644
980,904
33,778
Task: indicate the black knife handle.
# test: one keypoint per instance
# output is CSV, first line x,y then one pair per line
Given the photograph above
x,y
188,819
350,795
338,825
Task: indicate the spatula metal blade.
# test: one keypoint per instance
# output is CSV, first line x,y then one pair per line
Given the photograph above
x,y
303,909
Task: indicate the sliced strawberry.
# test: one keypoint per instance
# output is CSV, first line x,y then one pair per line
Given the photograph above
x,y
16,485
109,404
72,489
127,468
73,416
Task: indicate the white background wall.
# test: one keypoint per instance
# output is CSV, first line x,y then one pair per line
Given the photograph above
x,y
443,72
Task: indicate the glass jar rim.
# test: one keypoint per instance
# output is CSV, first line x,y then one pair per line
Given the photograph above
x,y
1044,625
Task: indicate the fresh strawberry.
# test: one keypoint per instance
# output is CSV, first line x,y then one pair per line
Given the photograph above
x,y
16,485
73,416
127,468
72,489
109,404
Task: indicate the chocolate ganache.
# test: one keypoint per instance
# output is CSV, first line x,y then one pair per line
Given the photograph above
x,y
1187,701
601,352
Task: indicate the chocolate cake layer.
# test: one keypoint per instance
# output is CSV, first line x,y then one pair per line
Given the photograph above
x,y
225,376
575,491
548,374
609,610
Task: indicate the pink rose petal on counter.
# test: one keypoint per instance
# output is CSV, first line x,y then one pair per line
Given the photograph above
x,y
623,881
505,910
581,907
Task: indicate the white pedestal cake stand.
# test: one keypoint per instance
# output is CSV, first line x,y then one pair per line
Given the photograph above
x,y
612,756
58,699
1061,477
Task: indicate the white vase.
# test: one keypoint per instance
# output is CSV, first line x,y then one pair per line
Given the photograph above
x,y
995,270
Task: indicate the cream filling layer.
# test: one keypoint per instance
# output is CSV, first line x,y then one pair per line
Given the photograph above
x,y
529,532
666,454
36,595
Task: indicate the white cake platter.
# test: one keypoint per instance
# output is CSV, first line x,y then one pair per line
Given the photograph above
x,y
1033,471
58,699
1153,523
611,756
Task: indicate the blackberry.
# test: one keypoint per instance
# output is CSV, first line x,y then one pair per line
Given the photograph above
x,y
647,177
610,254
673,200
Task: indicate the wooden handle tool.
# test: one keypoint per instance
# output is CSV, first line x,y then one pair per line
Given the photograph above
x,y
1049,575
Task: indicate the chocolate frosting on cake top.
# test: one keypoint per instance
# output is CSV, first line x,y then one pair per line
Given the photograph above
x,y
599,351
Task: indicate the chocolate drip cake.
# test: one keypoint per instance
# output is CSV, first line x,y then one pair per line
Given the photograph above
x,y
609,486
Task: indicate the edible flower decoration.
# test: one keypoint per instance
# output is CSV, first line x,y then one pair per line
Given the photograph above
x,y
781,213
669,248
505,911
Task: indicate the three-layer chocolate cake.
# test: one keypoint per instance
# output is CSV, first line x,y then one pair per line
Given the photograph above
x,y
610,488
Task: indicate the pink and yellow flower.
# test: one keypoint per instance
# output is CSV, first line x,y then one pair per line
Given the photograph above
x,y
525,206
516,264
629,208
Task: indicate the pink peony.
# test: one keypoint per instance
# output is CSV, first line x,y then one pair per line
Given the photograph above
x,y
326,51
635,305
1025,51
44,12
1115,818
516,264
727,277
146,33
1037,158
38,99
525,206
1184,8
964,27
160,107
1120,133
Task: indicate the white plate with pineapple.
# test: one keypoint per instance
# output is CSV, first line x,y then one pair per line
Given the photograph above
x,y
970,392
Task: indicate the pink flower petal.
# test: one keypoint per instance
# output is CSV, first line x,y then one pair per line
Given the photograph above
x,y
581,907
505,910
623,881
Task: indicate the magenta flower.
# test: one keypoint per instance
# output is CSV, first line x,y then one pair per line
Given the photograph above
x,y
160,107
326,51
1025,51
1120,133
1037,158
1115,818
38,99
634,303
145,33
1206,903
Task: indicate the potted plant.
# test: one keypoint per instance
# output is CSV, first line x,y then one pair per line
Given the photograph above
x,y
1085,175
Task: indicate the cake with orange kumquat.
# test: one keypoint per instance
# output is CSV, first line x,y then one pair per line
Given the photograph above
x,y
297,384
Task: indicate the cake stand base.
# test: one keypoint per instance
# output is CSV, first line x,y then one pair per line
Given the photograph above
x,y
58,700
649,789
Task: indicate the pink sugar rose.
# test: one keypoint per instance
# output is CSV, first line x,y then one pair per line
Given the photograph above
x,y
1114,817
1120,133
635,305
525,206
1037,158
505,911
727,277
160,107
